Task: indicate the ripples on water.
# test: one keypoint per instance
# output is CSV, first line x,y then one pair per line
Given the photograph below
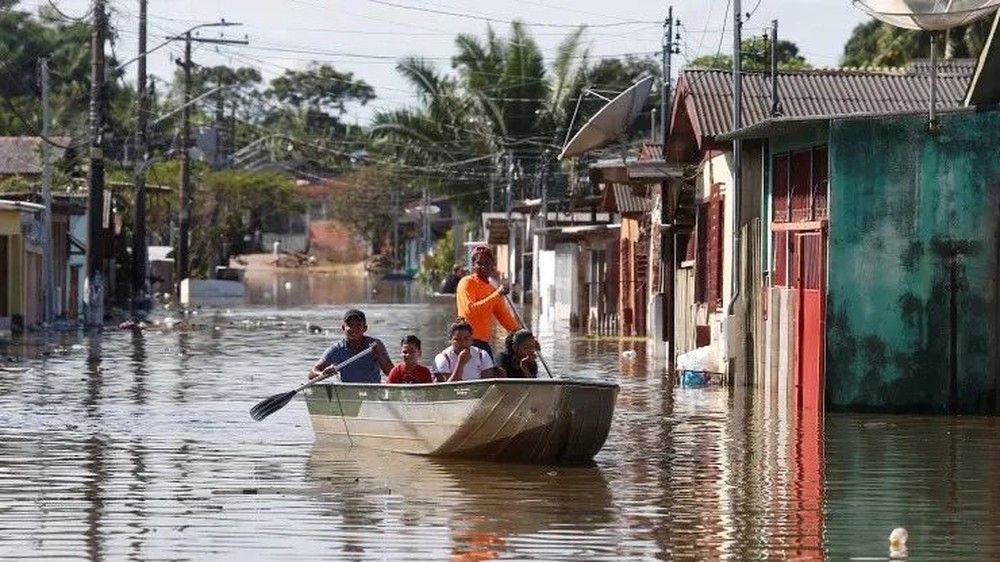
x,y
139,446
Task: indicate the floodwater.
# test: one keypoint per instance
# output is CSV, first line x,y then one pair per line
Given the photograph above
x,y
139,446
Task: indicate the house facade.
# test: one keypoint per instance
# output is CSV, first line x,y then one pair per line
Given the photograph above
x,y
876,247
21,238
755,261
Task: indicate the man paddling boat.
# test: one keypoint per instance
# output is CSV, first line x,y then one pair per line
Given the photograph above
x,y
367,369
479,302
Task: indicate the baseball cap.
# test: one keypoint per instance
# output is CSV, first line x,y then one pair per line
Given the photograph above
x,y
354,313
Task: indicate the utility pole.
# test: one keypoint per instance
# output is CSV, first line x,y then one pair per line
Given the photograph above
x,y
394,264
425,226
48,306
94,305
510,207
775,101
670,47
183,267
183,258
218,158
140,277
737,143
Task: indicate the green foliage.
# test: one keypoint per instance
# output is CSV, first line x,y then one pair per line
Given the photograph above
x,y
24,39
226,205
371,202
439,265
878,44
756,52
313,100
502,96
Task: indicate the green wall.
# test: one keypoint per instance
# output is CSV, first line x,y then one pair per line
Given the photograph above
x,y
913,250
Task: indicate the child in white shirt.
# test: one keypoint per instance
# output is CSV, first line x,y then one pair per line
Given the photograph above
x,y
461,360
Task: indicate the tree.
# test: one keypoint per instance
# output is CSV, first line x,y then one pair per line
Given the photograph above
x,y
26,38
756,53
501,97
315,99
878,44
371,203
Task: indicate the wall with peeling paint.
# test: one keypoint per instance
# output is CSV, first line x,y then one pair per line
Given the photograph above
x,y
912,300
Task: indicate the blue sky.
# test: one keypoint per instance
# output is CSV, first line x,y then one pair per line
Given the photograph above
x,y
367,37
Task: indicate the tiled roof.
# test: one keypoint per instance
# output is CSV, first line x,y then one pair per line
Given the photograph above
x,y
23,155
624,201
822,92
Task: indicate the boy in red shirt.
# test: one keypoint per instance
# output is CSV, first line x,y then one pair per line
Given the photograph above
x,y
410,371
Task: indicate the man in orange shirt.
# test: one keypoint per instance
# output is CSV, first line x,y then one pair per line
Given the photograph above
x,y
479,302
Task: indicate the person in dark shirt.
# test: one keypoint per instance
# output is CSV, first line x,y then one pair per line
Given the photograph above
x,y
519,357
451,283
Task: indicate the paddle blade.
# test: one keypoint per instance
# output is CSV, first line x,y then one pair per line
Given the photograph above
x,y
270,405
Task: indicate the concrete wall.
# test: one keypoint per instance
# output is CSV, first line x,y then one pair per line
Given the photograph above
x,y
912,300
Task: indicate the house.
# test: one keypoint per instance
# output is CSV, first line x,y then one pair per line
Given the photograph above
x,y
771,233
573,243
21,237
879,253
22,296
632,205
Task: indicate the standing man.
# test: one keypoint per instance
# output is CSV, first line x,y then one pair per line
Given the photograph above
x,y
479,302
368,369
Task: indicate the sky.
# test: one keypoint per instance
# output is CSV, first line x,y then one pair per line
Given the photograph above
x,y
368,37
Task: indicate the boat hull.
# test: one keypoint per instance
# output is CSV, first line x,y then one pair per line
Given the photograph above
x,y
557,421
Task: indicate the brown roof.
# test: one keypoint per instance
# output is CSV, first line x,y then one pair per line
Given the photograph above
x,y
620,198
708,93
23,155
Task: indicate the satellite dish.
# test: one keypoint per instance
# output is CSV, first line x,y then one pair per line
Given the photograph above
x,y
928,15
611,120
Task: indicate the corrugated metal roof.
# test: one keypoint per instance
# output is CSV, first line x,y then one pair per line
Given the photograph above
x,y
627,202
651,151
828,92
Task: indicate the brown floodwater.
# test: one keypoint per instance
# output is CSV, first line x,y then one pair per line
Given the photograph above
x,y
139,446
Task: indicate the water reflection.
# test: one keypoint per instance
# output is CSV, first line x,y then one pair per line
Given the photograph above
x,y
298,288
476,510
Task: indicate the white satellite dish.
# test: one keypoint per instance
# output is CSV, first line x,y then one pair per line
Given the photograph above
x,y
929,15
611,120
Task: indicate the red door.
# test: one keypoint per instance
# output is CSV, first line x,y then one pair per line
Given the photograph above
x,y
808,276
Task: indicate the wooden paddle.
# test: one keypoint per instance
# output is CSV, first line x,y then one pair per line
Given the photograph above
x,y
272,404
517,316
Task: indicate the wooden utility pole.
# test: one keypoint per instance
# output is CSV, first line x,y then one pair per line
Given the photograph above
x,y
183,266
140,293
183,257
48,292
669,48
94,305
775,101
737,143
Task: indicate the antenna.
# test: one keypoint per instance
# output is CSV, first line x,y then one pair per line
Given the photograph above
x,y
928,15
611,121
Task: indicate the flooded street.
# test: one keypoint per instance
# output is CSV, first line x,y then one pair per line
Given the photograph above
x,y
139,446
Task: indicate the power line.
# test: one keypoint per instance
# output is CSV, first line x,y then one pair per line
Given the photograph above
x,y
499,20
